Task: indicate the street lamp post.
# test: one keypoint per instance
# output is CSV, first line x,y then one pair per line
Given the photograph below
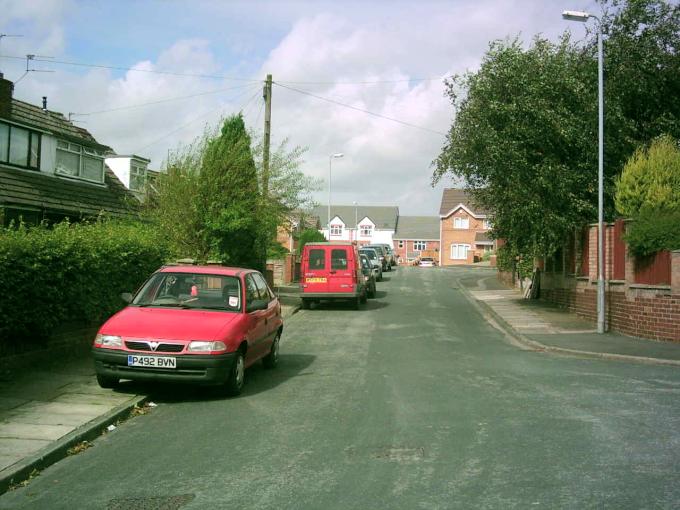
x,y
356,222
583,17
330,164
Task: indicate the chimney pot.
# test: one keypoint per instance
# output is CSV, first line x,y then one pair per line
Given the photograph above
x,y
44,103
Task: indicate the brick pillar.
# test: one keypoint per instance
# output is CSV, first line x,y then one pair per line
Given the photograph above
x,y
675,272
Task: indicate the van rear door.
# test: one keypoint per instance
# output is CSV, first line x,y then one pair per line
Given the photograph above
x,y
342,269
316,269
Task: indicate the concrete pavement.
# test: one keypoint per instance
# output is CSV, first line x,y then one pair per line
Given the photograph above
x,y
543,326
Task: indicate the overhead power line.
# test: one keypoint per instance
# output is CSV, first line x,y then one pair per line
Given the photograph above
x,y
345,105
204,114
166,100
224,77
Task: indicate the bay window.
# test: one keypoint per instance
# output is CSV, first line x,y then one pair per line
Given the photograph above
x,y
459,251
78,161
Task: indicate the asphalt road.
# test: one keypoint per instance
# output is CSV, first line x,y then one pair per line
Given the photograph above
x,y
412,402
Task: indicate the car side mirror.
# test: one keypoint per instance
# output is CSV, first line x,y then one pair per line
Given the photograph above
x,y
127,297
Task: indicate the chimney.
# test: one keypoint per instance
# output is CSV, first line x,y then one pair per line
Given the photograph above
x,y
44,103
6,89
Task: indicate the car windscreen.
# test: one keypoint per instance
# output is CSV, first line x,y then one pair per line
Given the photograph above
x,y
369,253
378,249
191,290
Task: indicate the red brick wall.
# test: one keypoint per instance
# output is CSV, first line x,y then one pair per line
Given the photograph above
x,y
648,311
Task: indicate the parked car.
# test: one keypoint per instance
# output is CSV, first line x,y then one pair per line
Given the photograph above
x,y
380,250
331,271
389,255
193,324
375,261
427,262
369,275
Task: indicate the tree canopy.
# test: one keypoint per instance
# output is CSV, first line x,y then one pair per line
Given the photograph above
x,y
524,136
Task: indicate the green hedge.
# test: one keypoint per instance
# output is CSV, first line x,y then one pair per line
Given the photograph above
x,y
653,230
69,274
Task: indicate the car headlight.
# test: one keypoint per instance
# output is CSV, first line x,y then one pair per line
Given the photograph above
x,y
202,346
108,341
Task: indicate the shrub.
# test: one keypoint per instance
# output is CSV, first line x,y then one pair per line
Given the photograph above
x,y
653,230
69,274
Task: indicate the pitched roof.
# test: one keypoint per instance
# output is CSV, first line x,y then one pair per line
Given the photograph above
x,y
383,217
29,188
52,122
417,228
453,197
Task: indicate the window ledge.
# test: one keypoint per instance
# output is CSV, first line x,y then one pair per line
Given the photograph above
x,y
616,282
649,287
583,278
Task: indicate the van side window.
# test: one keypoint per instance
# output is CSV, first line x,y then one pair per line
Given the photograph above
x,y
339,259
317,259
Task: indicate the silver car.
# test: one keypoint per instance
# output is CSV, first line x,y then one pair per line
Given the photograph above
x,y
374,258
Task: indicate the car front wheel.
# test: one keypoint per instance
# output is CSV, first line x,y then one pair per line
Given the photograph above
x,y
237,375
107,382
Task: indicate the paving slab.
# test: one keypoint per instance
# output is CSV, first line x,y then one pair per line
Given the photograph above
x,y
17,430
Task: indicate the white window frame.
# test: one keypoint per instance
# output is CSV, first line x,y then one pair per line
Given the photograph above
x,y
461,222
365,230
138,171
455,250
82,153
487,224
419,245
336,230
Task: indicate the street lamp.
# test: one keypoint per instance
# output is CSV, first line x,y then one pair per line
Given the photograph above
x,y
337,155
583,17
356,222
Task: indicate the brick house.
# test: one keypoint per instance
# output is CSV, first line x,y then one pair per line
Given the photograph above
x,y
51,169
360,223
416,237
463,229
296,222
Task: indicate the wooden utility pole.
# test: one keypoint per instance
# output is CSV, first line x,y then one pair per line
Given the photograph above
x,y
267,94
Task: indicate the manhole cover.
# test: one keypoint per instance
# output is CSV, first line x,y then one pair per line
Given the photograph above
x,y
150,502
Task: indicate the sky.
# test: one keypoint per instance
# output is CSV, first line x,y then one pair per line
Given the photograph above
x,y
386,57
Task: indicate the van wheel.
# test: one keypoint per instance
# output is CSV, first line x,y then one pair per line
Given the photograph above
x,y
305,304
357,303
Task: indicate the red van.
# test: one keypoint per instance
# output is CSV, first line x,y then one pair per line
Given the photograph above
x,y
331,271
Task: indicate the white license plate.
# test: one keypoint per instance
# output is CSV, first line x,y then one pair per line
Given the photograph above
x,y
152,361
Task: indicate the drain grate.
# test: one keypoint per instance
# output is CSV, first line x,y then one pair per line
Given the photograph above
x,y
150,502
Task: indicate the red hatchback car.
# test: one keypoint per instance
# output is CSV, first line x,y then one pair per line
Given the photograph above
x,y
197,324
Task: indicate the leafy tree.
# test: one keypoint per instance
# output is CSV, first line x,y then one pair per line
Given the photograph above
x,y
525,131
207,202
650,179
309,235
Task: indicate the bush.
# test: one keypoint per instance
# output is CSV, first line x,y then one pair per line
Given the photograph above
x,y
653,230
69,274
309,236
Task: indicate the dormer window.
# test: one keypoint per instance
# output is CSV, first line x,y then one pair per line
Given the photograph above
x,y
366,230
82,162
19,146
137,176
336,230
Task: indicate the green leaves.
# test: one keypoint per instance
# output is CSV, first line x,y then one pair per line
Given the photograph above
x,y
71,273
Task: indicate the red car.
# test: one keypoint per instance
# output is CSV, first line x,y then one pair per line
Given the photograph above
x,y
195,324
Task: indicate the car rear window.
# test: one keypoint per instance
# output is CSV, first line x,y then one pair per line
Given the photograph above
x,y
339,258
369,253
317,259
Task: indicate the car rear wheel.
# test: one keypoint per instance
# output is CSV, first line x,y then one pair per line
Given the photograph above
x,y
237,375
364,296
107,382
371,293
272,359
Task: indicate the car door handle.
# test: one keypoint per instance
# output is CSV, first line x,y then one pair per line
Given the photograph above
x,y
333,272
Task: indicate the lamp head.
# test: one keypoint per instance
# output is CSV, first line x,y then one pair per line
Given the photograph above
x,y
575,16
338,155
